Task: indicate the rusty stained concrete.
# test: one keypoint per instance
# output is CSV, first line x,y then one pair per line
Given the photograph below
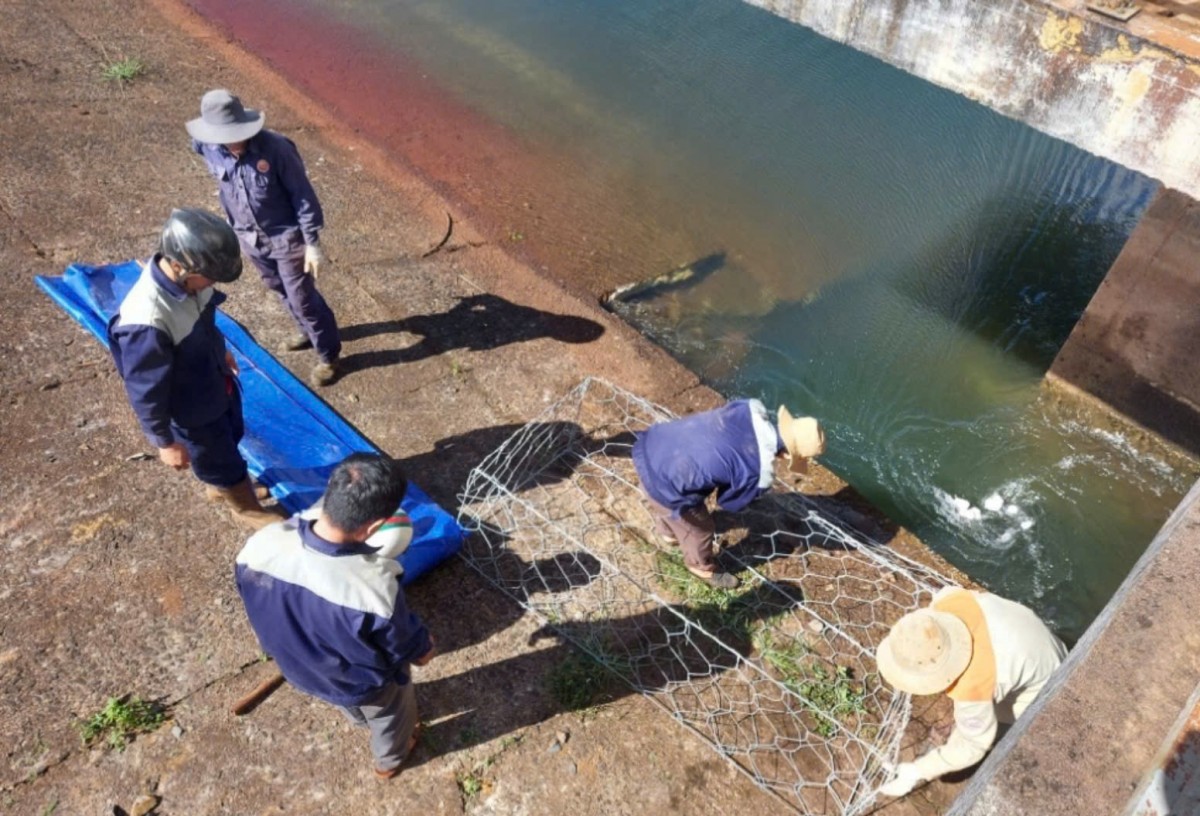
x,y
1129,92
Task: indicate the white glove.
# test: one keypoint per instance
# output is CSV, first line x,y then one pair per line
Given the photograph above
x,y
905,779
314,258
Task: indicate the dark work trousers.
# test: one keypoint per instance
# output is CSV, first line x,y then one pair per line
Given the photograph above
x,y
391,716
213,448
282,270
693,530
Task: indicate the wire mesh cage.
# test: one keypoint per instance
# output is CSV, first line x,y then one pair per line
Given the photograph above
x,y
776,675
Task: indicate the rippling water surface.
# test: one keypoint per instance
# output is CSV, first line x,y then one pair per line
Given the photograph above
x,y
883,254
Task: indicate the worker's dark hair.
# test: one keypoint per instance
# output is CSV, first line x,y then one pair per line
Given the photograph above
x,y
365,487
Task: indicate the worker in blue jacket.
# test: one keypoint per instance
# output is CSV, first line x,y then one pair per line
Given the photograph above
x,y
178,375
269,201
730,450
328,606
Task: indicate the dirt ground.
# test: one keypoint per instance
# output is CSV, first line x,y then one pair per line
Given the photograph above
x,y
118,576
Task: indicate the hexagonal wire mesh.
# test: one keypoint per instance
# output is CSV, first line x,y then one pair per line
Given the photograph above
x,y
777,675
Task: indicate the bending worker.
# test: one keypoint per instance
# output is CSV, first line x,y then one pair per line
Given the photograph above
x,y
991,656
329,608
177,372
731,450
274,210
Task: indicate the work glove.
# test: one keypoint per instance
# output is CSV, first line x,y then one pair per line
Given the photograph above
x,y
904,779
314,259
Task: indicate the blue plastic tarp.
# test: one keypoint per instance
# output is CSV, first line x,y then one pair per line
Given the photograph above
x,y
293,438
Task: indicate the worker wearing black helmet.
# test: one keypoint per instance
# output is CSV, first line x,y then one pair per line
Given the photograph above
x,y
177,372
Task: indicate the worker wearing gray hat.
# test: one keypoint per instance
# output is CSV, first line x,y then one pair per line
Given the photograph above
x,y
274,210
991,656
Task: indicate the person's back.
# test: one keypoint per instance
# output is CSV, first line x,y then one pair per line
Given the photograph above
x,y
329,609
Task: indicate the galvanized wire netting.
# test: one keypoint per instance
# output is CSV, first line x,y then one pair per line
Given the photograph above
x,y
776,675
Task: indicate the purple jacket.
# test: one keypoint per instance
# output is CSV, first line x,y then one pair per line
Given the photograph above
x,y
266,193
681,462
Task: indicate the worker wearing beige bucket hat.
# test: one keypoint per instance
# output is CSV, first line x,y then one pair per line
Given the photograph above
x,y
271,205
730,451
991,656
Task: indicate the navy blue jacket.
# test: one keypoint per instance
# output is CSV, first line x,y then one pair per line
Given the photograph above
x,y
332,616
266,193
682,461
170,354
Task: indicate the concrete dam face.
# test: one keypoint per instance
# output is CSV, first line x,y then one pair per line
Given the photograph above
x,y
1129,92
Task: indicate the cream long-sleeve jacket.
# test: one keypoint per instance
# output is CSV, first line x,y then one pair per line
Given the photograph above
x,y
1013,656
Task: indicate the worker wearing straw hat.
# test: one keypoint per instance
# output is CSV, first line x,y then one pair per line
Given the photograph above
x,y
991,656
730,450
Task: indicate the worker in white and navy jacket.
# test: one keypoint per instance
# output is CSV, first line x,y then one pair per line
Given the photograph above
x,y
329,609
178,375
991,656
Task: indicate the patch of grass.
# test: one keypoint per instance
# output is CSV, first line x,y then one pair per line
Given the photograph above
x,y
124,70
120,719
469,785
577,681
833,695
673,576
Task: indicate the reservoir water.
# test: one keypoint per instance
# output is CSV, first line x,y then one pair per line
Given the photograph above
x,y
870,249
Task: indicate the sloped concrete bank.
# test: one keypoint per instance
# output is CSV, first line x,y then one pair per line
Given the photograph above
x,y
1129,92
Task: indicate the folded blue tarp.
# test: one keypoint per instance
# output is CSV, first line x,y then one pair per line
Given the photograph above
x,y
293,438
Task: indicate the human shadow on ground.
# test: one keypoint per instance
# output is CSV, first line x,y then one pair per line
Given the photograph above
x,y
657,649
476,323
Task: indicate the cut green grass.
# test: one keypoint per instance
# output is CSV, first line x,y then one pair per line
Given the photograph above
x,y
124,70
121,719
673,576
577,681
833,695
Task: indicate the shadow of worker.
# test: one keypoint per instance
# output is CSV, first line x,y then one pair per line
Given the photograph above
x,y
591,662
476,322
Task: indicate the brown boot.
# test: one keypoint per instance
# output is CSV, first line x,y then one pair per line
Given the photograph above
x,y
261,492
245,507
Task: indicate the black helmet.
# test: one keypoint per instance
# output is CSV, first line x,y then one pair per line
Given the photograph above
x,y
202,244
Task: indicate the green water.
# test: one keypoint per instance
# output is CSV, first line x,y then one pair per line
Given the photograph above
x,y
892,258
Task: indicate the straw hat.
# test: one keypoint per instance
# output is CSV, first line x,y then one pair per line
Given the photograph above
x,y
223,119
802,437
925,652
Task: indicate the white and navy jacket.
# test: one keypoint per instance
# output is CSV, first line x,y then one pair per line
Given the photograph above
x,y
170,354
332,616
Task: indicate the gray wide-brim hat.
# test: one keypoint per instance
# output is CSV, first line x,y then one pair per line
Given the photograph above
x,y
223,119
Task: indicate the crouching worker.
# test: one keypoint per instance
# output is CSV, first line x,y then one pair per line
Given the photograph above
x,y
731,450
177,372
329,608
991,656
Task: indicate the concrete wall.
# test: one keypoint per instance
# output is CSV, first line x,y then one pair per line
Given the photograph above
x,y
1137,347
1128,92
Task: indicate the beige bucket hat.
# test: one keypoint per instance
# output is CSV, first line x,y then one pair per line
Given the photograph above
x,y
803,438
925,652
224,120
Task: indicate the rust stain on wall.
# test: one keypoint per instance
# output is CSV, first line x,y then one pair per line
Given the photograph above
x,y
1061,33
